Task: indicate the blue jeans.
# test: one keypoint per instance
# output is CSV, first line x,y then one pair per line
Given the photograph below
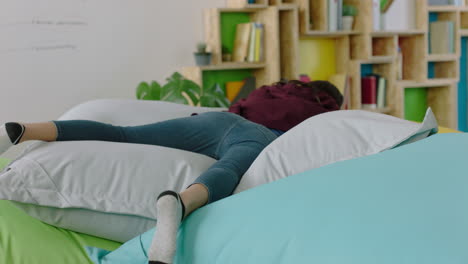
x,y
234,141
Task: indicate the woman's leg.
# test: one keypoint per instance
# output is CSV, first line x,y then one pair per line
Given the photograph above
x,y
200,134
13,133
172,208
217,182
46,131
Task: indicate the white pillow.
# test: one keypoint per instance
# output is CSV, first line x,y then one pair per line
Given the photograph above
x,y
102,177
331,137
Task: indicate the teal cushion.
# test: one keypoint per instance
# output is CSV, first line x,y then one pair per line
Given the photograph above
x,y
405,205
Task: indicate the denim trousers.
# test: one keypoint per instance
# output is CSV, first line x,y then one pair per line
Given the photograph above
x,y
229,138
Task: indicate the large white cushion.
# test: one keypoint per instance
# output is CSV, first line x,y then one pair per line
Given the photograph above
x,y
331,137
104,189
102,177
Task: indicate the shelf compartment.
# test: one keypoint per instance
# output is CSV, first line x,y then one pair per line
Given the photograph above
x,y
245,4
464,20
318,18
413,50
362,68
220,26
446,16
384,46
363,22
443,70
438,97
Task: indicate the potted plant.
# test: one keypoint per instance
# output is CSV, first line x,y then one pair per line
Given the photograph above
x,y
202,57
227,55
182,91
349,12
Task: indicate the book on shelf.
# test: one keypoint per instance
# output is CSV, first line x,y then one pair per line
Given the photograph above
x,y
332,15
447,2
438,2
259,32
241,42
381,92
442,37
399,61
369,92
456,2
251,53
374,91
249,42
340,14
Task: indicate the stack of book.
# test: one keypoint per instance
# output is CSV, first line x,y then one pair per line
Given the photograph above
x,y
373,91
442,37
447,2
249,42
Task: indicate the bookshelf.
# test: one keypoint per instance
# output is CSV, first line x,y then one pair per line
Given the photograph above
x,y
281,29
293,27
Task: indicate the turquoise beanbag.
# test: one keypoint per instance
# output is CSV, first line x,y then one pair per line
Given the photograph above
x,y
406,205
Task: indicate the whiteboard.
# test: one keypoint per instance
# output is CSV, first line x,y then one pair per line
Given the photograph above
x,y
58,53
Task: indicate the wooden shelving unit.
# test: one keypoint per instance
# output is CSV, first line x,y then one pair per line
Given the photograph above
x,y
281,44
289,21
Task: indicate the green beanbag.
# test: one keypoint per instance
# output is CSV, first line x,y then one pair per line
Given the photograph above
x,y
25,240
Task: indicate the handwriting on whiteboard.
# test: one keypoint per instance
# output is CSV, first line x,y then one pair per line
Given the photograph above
x,y
47,22
40,48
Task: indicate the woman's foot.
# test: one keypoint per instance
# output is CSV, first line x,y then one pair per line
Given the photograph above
x,y
170,211
10,134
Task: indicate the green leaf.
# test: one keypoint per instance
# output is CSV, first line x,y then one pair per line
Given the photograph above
x,y
155,90
207,101
176,90
143,91
214,97
193,96
222,101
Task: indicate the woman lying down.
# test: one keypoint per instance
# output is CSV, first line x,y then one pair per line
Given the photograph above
x,y
234,138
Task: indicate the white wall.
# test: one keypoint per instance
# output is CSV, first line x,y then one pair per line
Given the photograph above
x,y
55,54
